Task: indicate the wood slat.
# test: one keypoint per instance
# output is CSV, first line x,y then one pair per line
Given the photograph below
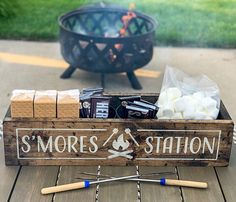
x,y
211,194
155,192
118,191
68,174
7,176
30,182
227,177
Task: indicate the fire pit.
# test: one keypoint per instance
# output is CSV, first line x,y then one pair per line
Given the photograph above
x,y
105,39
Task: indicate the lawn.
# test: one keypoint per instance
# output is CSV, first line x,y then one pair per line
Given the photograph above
x,y
198,23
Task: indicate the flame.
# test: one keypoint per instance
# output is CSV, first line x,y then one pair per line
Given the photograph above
x,y
120,143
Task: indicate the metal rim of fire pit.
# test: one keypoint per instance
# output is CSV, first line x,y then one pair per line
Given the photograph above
x,y
136,51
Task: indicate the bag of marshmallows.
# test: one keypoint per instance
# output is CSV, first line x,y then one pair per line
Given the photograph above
x,y
186,97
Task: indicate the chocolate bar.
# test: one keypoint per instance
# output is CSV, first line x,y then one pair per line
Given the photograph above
x,y
85,102
152,107
99,107
98,90
134,111
121,110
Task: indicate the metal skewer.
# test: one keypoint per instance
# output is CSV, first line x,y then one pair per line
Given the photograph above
x,y
80,185
162,181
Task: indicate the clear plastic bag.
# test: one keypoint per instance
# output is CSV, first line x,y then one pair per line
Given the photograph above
x,y
186,97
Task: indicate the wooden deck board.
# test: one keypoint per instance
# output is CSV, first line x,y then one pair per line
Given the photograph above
x,y
227,177
7,176
118,191
212,194
155,192
68,174
30,182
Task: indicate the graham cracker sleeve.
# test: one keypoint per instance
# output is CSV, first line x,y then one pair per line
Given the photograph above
x,y
22,103
45,104
68,104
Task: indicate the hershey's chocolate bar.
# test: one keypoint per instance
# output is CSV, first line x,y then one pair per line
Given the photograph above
x,y
134,111
99,107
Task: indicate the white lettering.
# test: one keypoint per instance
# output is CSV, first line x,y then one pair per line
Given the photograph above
x,y
166,141
82,146
206,143
94,150
72,145
149,143
198,145
28,147
57,139
186,145
158,143
42,146
178,144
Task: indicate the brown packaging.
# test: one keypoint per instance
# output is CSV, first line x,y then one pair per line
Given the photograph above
x,y
68,104
22,103
45,104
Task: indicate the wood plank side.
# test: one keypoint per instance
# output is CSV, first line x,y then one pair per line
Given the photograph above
x,y
11,142
7,176
227,177
118,191
211,194
30,182
155,192
69,174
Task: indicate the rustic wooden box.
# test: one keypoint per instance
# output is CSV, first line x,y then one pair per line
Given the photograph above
x,y
54,141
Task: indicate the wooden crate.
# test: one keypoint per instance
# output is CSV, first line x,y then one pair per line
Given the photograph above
x,y
63,141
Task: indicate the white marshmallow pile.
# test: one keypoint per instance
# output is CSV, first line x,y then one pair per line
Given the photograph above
x,y
174,105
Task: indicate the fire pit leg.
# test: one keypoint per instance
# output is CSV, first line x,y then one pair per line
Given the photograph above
x,y
68,72
134,81
103,80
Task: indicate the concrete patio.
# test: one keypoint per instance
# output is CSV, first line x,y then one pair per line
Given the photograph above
x,y
36,65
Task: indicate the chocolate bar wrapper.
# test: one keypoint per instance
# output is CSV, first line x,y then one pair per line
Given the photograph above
x,y
100,107
152,107
85,103
134,111
121,111
96,90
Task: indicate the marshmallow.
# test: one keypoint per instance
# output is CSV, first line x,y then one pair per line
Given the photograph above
x,y
213,113
168,109
162,99
173,93
177,115
198,106
189,113
164,117
178,105
160,113
198,95
209,103
200,115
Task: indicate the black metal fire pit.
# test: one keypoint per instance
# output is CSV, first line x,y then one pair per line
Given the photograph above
x,y
90,40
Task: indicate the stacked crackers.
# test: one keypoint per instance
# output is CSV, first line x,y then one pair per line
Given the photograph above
x,y
45,104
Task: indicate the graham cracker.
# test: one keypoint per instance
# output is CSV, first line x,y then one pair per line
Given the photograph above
x,y
68,105
45,104
22,103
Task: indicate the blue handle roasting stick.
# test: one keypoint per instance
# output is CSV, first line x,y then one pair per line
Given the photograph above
x,y
80,185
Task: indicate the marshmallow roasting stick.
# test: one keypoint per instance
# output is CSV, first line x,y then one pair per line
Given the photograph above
x,y
81,185
163,181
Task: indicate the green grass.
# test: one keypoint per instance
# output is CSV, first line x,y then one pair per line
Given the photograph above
x,y
198,23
